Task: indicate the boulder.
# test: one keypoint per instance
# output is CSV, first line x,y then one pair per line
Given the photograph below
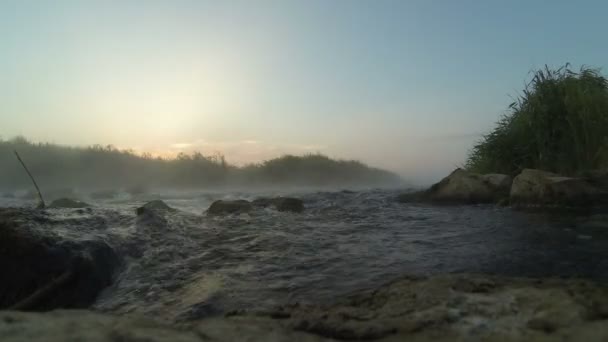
x,y
464,187
229,207
290,204
68,203
156,206
295,205
43,270
537,187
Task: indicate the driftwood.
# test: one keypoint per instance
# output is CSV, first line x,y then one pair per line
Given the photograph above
x,y
41,205
44,292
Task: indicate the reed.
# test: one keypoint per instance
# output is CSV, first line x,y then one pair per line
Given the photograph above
x,y
559,123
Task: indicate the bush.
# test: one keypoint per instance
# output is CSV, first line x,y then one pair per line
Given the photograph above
x,y
559,124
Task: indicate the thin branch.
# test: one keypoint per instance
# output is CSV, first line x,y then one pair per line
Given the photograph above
x,y
44,292
41,205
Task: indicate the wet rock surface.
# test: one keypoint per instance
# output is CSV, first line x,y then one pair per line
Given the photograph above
x,y
156,206
536,187
229,207
461,308
463,187
42,270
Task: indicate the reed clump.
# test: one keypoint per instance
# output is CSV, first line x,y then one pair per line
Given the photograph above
x,y
559,123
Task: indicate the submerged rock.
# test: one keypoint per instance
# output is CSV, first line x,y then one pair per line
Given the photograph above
x,y
537,187
41,270
154,206
68,203
291,204
229,207
464,187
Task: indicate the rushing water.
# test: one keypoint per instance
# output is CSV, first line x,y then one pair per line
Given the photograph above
x,y
184,264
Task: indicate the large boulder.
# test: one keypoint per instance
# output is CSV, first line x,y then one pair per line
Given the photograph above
x,y
537,187
229,207
290,204
41,269
68,203
464,187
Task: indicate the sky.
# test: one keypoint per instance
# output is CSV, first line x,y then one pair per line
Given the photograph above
x,y
404,85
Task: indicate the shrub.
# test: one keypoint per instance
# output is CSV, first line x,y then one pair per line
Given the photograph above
x,y
559,124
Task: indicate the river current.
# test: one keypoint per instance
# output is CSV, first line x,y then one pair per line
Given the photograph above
x,y
185,265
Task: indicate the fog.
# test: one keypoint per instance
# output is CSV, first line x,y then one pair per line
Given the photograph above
x,y
60,170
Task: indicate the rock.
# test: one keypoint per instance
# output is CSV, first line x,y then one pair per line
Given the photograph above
x,y
464,187
68,203
460,307
295,205
291,204
43,270
81,325
501,183
536,187
229,207
263,202
154,206
452,307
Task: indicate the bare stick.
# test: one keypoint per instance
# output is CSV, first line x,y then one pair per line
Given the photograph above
x,y
41,205
43,293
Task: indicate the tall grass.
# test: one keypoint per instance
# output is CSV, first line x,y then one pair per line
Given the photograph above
x,y
101,167
559,124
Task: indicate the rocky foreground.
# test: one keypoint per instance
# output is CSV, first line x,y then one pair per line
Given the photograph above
x,y
441,308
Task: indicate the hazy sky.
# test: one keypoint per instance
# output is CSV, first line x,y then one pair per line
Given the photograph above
x,y
405,85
